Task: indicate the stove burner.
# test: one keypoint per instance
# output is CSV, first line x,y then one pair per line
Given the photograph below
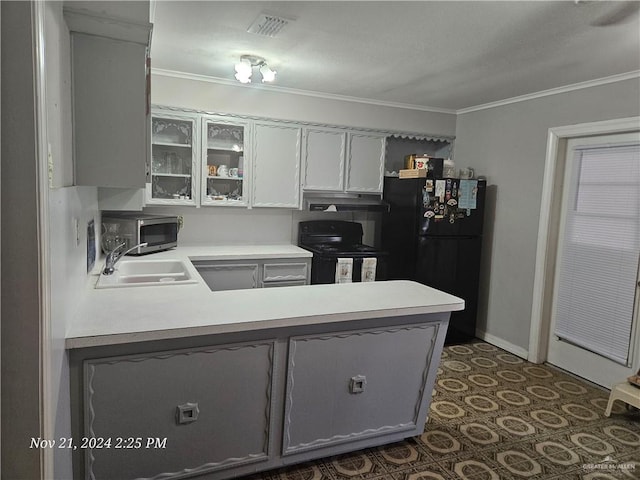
x,y
342,248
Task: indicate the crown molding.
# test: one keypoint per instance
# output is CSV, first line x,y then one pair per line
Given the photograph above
x,y
522,98
294,91
553,91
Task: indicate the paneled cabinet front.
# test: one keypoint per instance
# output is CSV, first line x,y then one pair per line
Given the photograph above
x,y
343,161
365,162
174,160
178,413
276,165
225,161
324,155
109,115
345,387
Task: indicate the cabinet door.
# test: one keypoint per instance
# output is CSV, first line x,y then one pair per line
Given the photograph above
x,y
174,160
276,165
109,112
349,386
169,414
229,276
225,162
365,167
324,153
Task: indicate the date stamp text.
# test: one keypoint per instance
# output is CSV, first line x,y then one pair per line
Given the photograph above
x,y
100,442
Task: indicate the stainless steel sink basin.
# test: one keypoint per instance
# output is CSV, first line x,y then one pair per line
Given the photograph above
x,y
137,273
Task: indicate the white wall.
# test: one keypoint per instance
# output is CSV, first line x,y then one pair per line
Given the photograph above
x,y
508,145
248,100
68,260
221,225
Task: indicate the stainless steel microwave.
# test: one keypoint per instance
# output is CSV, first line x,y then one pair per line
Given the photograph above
x,y
159,232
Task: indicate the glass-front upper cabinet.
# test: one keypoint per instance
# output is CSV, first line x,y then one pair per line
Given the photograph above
x,y
225,162
173,177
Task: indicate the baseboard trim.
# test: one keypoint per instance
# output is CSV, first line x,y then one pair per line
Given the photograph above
x,y
503,344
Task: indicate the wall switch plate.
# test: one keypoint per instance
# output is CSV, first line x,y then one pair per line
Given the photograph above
x,y
50,165
76,230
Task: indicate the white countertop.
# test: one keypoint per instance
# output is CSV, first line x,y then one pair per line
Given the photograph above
x,y
233,252
123,315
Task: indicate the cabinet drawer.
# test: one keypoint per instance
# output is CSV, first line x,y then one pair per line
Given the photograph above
x,y
354,385
284,271
140,397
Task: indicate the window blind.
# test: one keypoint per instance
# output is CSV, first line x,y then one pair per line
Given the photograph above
x,y
600,251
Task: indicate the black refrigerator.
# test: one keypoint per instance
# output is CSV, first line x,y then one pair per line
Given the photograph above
x,y
433,235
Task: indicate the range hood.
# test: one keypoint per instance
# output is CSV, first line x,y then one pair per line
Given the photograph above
x,y
338,202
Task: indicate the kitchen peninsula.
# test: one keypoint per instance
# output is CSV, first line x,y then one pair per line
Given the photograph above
x,y
227,383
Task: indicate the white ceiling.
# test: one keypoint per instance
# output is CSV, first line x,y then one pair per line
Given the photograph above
x,y
447,55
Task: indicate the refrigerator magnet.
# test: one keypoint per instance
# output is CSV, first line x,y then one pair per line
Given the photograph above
x,y
429,185
440,189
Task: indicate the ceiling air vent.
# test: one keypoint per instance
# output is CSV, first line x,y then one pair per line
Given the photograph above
x,y
268,25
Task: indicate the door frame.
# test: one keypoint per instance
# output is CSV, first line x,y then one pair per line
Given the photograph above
x,y
549,223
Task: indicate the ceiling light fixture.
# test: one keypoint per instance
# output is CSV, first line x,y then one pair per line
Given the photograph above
x,y
244,69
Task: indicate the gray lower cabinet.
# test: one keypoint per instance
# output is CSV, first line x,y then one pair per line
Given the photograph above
x,y
236,275
229,276
371,382
178,412
226,405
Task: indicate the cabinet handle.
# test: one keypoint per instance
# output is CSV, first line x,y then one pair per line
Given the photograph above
x,y
357,384
187,413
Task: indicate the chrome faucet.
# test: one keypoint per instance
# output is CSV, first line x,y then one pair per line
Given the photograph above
x,y
114,255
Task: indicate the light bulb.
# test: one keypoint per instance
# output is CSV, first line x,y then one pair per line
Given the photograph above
x,y
243,71
268,75
243,78
243,68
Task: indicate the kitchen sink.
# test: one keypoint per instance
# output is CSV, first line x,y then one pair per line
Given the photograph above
x,y
137,273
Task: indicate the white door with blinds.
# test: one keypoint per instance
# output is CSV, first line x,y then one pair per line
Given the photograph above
x,y
594,327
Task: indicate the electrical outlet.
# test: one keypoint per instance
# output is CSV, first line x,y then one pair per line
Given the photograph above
x,y
91,244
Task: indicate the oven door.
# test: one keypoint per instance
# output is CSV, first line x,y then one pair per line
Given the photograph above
x,y
323,268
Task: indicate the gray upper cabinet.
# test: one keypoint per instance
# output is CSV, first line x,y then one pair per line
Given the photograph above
x,y
174,160
110,94
337,160
324,159
109,112
276,165
365,162
226,159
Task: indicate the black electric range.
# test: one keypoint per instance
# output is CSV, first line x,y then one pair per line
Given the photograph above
x,y
331,240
